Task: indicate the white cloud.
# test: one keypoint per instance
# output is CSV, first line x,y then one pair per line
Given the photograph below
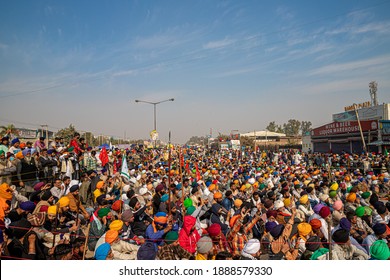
x,y
218,44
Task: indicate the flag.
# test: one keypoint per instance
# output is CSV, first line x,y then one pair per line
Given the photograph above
x,y
181,158
386,152
188,168
103,156
125,169
197,172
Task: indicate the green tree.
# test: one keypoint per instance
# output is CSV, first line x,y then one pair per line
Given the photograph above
x,y
305,127
272,126
9,129
66,133
292,127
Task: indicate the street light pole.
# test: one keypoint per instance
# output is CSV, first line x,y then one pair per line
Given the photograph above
x,y
154,110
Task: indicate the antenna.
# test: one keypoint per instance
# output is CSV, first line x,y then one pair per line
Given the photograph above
x,y
373,89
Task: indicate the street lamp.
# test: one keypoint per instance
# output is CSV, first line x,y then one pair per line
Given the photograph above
x,y
154,105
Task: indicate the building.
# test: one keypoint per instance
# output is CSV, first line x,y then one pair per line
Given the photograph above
x,y
266,138
345,134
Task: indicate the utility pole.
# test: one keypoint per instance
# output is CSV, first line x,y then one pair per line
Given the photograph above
x,y
47,134
360,128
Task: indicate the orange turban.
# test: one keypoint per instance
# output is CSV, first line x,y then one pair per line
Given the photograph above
x,y
351,197
217,195
315,224
5,191
304,229
99,185
64,201
19,155
111,235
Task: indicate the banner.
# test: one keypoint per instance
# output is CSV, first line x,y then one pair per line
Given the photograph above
x,y
125,169
344,128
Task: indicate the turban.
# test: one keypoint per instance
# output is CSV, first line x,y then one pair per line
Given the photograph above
x,y
43,208
360,211
171,237
315,224
238,202
159,188
214,230
366,195
38,186
318,253
270,225
64,201
37,219
287,202
271,213
187,202
103,212
323,197
268,203
277,231
102,251
117,205
337,205
334,187
19,155
74,188
46,195
5,191
304,199
341,236
233,220
111,235
367,210
178,186
379,250
160,218
217,195
324,212
204,245
127,215
116,225
351,197
317,208
278,204
252,246
190,210
99,184
306,182
146,251
28,206
52,210
26,151
164,198
345,224
309,189
304,229
14,141
243,188
379,228
313,243
20,228
332,194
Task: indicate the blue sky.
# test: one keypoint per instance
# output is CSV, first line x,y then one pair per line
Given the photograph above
x,y
230,65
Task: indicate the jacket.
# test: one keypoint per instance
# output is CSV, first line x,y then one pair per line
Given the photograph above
x,y
188,237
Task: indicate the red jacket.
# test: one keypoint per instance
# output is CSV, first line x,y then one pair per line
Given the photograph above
x,y
188,237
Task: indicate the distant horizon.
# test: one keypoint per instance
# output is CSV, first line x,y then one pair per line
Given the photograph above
x,y
229,65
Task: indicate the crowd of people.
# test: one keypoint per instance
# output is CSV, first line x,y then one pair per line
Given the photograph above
x,y
71,201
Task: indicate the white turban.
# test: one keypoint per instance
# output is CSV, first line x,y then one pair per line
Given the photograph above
x,y
252,246
278,204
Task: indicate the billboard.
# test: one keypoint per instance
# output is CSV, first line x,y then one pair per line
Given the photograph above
x,y
335,128
385,126
369,113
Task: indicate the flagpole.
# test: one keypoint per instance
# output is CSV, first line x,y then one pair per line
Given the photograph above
x,y
181,179
169,173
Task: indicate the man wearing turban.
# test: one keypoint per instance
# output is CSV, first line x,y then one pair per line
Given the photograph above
x,y
159,227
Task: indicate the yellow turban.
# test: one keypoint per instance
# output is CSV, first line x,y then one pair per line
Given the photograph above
x,y
111,235
238,203
5,191
235,181
306,182
64,201
351,197
52,210
334,187
212,187
243,188
304,229
116,225
287,202
304,199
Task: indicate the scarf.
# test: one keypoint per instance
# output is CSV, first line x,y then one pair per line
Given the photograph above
x,y
67,167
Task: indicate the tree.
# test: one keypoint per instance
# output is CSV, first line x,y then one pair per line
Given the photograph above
x,y
305,127
8,130
196,140
247,141
66,133
292,127
272,126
